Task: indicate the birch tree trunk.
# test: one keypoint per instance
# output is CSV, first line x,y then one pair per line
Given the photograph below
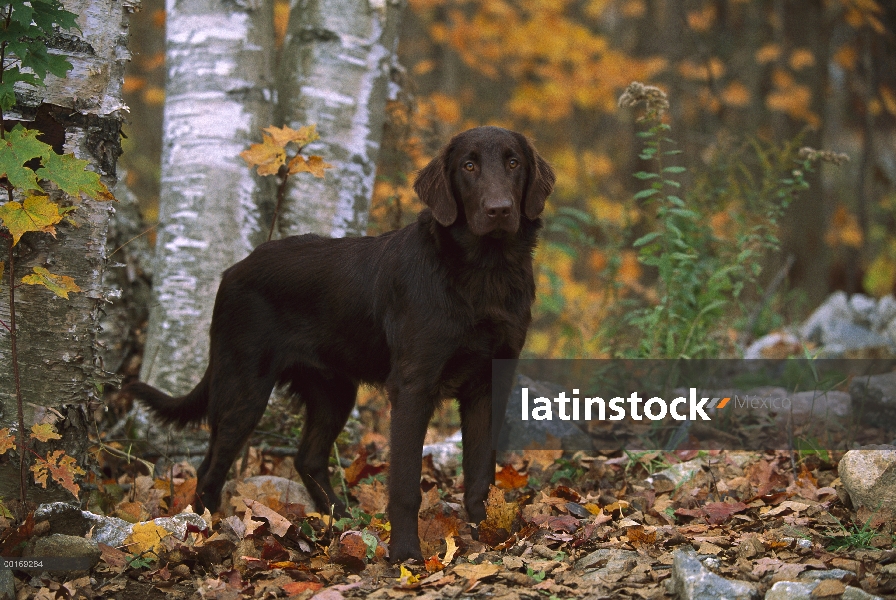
x,y
218,96
334,73
59,359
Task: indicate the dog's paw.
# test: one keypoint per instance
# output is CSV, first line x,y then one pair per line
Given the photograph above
x,y
401,551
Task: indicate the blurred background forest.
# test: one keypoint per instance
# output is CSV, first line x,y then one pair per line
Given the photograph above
x,y
749,83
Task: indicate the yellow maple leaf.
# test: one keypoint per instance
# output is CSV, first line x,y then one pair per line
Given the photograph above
x,y
406,577
284,135
7,440
146,539
44,432
313,164
60,285
268,156
35,213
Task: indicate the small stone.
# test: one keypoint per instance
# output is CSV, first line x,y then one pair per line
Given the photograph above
x,y
693,581
7,585
828,588
820,574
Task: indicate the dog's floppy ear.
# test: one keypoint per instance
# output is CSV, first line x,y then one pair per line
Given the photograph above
x,y
432,186
541,180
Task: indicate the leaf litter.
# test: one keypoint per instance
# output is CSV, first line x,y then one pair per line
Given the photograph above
x,y
561,527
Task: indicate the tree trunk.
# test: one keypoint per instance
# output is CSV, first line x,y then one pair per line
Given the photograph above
x,y
213,210
335,73
218,96
59,359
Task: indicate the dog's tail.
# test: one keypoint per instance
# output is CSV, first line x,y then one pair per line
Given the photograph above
x,y
176,411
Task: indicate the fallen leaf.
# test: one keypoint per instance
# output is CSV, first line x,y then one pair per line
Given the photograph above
x,y
277,523
476,572
509,479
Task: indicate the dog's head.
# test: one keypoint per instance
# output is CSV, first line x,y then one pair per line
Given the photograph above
x,y
494,176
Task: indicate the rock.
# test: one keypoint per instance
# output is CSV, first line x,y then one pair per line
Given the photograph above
x,y
795,590
863,309
844,339
779,344
180,524
290,492
791,590
608,561
61,546
68,520
819,574
884,315
810,406
692,581
854,593
678,473
7,585
874,398
446,454
869,476
517,434
835,309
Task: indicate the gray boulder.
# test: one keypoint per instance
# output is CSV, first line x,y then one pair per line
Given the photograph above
x,y
869,476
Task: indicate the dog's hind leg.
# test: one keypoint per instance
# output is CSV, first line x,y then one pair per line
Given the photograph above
x,y
239,403
328,402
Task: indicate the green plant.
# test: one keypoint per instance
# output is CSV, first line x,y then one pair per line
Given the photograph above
x,y
651,460
700,277
568,469
853,537
34,178
539,576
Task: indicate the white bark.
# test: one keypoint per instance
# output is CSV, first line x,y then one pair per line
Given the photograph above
x,y
335,73
60,360
218,96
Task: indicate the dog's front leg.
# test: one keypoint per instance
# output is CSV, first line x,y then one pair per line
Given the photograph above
x,y
410,418
479,456
483,398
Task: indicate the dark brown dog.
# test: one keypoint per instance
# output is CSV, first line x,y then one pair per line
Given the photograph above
x,y
422,311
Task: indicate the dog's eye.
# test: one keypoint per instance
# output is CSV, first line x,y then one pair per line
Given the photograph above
x,y
469,166
513,163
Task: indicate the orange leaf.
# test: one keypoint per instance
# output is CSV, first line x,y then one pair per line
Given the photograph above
x,y
297,587
509,479
63,469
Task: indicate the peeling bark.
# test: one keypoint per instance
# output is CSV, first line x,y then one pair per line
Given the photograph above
x,y
335,73
218,96
60,361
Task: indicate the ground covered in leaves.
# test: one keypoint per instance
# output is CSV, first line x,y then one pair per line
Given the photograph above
x,y
557,527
